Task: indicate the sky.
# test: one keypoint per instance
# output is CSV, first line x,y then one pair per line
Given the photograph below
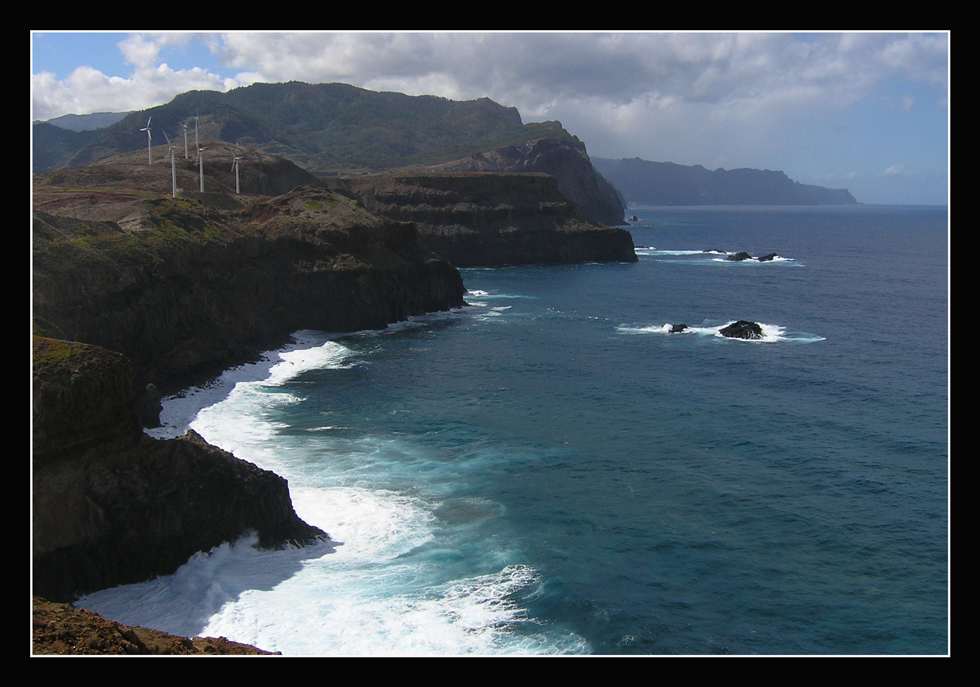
x,y
864,111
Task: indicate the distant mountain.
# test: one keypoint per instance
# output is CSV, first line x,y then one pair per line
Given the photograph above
x,y
53,146
665,183
88,122
328,128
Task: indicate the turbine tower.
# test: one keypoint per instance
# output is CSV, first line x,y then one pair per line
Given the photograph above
x,y
184,125
173,169
196,145
149,141
200,166
234,168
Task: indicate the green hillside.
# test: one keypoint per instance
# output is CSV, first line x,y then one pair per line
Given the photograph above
x,y
327,128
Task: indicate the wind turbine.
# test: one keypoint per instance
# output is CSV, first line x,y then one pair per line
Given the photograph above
x,y
149,141
234,168
173,169
184,125
200,166
196,117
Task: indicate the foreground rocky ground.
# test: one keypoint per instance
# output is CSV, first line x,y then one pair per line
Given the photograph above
x,y
64,630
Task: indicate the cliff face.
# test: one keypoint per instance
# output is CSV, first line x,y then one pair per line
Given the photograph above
x,y
185,285
565,160
485,219
113,506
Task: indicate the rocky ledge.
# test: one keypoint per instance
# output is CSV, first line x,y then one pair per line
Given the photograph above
x,y
482,219
61,629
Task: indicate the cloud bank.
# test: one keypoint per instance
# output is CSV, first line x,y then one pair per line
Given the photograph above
x,y
769,100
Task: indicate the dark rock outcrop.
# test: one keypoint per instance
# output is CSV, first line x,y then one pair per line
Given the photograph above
x,y
769,257
113,506
743,329
738,257
486,219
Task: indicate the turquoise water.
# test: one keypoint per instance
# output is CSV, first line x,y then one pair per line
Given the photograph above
x,y
548,470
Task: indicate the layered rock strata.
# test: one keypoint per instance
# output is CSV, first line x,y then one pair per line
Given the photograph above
x,y
476,219
564,159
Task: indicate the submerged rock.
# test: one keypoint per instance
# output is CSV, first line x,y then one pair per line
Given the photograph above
x,y
743,329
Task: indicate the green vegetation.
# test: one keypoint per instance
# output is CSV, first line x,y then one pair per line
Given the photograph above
x,y
330,128
50,354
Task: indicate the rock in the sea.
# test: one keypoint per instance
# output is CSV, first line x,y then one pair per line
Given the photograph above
x,y
768,257
739,257
743,329
677,328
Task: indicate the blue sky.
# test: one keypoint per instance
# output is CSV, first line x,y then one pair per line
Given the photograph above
x,y
864,111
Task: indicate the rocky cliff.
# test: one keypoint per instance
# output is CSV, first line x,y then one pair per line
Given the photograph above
x,y
132,286
180,284
486,219
113,506
563,158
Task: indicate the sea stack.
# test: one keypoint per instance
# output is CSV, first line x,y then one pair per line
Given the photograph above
x,y
743,329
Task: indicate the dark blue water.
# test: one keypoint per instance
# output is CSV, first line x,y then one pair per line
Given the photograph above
x,y
549,471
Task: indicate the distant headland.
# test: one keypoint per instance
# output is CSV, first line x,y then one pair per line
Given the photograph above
x,y
664,183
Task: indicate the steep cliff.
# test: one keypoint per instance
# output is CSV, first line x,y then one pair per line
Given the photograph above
x,y
563,158
485,219
180,284
113,506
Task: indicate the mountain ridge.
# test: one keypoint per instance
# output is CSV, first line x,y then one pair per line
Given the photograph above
x,y
341,130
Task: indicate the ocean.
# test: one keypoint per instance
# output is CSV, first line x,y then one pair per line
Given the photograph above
x,y
550,471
